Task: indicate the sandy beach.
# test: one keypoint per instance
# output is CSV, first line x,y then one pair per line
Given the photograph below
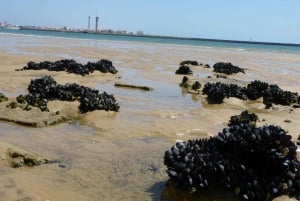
x,y
119,155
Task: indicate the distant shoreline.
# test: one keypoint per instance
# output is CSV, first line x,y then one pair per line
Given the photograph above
x,y
160,36
168,37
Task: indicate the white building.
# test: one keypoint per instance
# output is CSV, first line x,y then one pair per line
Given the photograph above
x,y
139,33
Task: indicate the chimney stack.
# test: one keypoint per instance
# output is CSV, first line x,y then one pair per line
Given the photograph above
x,y
97,19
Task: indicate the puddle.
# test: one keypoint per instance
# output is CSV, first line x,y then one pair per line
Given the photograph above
x,y
164,96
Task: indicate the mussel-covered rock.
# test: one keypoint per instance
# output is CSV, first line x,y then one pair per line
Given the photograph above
x,y
189,62
227,68
257,163
256,89
95,101
196,85
71,66
272,94
103,66
216,92
43,89
184,70
276,95
192,86
244,118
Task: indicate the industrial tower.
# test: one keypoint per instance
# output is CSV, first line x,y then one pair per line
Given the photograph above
x,y
89,22
97,19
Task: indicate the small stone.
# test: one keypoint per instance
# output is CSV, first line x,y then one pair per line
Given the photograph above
x,y
207,66
62,165
296,106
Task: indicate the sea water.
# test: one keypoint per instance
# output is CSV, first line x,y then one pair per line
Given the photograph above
x,y
240,46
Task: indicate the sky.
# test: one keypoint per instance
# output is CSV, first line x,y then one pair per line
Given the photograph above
x,y
256,20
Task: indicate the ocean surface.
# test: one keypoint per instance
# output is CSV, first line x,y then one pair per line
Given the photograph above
x,y
190,42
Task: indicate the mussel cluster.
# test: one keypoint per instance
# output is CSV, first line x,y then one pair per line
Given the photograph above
x,y
189,62
184,70
44,89
256,163
193,63
219,67
216,92
71,66
190,85
227,68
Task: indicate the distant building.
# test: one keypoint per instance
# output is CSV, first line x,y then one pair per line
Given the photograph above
x,y
107,31
121,32
140,33
11,26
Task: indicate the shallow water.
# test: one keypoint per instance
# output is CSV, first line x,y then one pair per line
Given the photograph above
x,y
119,156
163,96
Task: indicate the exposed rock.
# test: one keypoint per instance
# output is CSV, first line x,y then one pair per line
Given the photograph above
x,y
296,105
3,98
221,76
17,157
132,86
20,158
33,117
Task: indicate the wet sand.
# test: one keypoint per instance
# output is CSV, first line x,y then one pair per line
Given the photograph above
x,y
119,156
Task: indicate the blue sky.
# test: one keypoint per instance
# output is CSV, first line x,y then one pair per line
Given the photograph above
x,y
260,20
